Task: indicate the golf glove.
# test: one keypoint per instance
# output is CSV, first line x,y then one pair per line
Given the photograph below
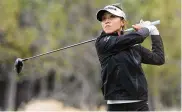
x,y
152,29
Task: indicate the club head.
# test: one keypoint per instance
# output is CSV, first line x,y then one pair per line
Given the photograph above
x,y
18,65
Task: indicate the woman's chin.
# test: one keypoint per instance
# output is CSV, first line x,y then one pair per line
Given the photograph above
x,y
108,32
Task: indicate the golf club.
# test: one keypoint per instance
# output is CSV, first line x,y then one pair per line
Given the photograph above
x,y
19,62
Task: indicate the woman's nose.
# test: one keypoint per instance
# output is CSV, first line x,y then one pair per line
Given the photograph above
x,y
107,20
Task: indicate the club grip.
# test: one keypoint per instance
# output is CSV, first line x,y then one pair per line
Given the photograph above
x,y
152,23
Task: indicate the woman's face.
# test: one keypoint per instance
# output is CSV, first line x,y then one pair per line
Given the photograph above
x,y
111,23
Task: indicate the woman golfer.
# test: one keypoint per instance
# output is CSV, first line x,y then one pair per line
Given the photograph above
x,y
124,85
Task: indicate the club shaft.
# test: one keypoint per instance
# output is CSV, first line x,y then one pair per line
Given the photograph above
x,y
84,42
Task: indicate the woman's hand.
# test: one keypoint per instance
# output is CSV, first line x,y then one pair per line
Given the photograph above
x,y
137,27
141,25
147,24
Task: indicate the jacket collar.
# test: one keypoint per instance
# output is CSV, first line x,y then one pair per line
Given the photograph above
x,y
103,34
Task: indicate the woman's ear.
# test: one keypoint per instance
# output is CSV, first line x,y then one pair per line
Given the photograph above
x,y
123,23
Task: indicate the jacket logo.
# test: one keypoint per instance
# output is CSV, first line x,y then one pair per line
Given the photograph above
x,y
106,38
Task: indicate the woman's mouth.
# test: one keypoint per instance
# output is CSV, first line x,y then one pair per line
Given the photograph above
x,y
107,26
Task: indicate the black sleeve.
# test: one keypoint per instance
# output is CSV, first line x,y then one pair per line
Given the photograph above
x,y
117,43
156,56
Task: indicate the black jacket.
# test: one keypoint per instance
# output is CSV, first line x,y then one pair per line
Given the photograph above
x,y
121,57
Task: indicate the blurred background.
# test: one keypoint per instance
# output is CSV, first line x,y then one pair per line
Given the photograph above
x,y
70,79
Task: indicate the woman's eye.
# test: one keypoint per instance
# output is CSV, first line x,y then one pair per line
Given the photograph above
x,y
113,16
103,18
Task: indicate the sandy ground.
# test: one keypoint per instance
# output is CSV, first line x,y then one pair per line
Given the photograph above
x,y
49,105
